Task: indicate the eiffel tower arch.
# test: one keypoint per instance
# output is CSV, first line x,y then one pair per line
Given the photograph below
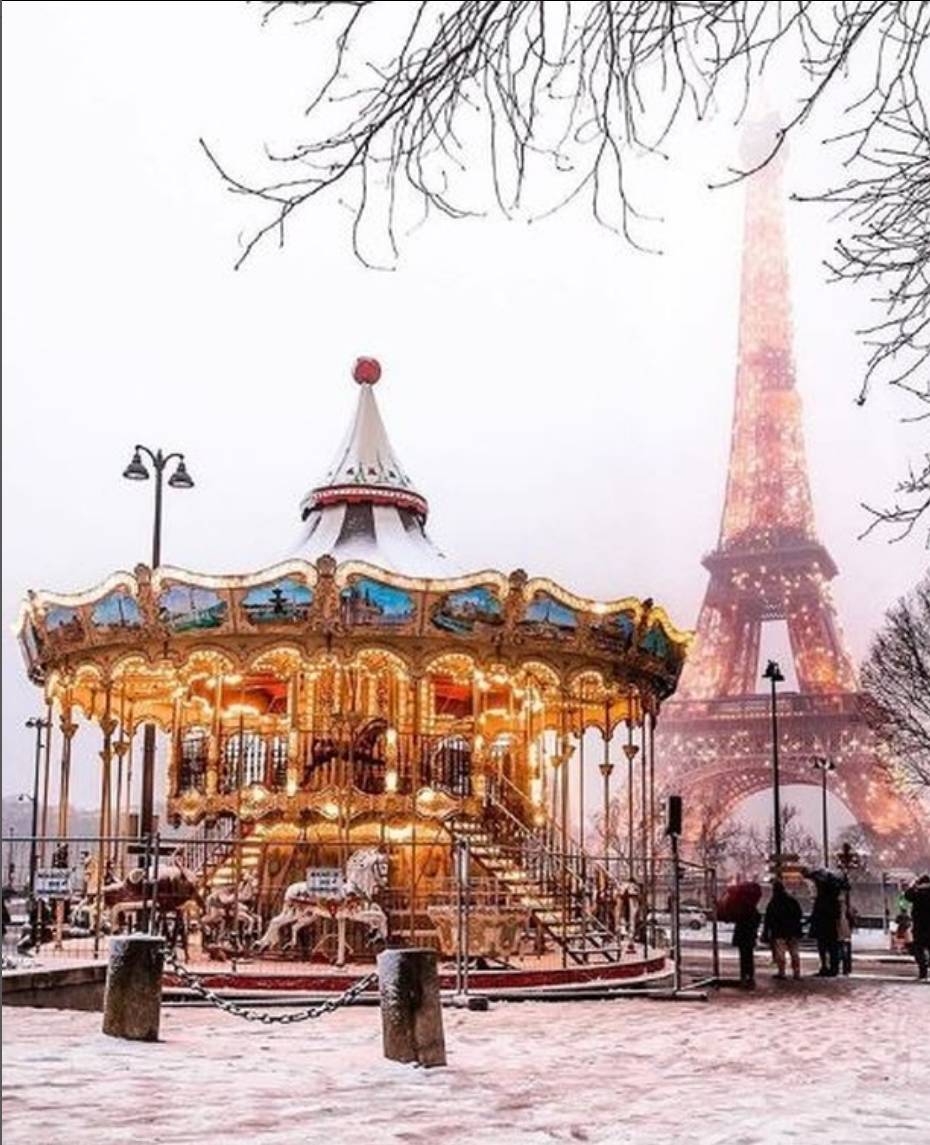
x,y
715,737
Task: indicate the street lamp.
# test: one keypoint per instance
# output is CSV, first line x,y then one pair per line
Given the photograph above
x,y
37,724
773,674
137,470
824,766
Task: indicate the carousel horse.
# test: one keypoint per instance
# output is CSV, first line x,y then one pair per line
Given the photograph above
x,y
166,895
365,874
227,912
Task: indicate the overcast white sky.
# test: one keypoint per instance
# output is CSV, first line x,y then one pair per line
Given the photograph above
x,y
563,401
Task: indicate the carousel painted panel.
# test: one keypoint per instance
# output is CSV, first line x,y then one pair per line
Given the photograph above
x,y
279,603
187,609
474,611
668,651
64,626
118,613
547,618
614,633
369,603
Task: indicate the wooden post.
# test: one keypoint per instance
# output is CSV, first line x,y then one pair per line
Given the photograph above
x,y
411,1012
132,997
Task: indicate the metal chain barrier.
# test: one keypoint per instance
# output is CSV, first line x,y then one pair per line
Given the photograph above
x,y
193,982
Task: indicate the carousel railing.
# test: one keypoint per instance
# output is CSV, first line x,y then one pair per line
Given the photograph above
x,y
552,885
526,897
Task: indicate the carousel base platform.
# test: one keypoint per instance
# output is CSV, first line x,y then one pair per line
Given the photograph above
x,y
65,979
546,977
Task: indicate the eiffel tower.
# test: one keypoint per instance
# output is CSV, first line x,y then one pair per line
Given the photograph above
x,y
716,735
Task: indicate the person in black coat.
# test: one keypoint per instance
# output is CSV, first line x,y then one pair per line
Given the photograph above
x,y
918,895
824,921
782,927
746,920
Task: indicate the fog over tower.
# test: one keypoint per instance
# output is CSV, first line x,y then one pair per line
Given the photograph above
x,y
770,566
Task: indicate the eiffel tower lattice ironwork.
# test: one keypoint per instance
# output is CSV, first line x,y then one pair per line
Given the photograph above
x,y
715,734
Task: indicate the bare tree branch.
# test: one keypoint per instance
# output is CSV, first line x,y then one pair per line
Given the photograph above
x,y
896,680
466,105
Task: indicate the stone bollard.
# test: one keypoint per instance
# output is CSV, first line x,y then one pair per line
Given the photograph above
x,y
132,996
411,1012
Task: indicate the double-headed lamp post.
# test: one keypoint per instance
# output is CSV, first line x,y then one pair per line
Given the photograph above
x,y
38,724
774,675
137,470
825,766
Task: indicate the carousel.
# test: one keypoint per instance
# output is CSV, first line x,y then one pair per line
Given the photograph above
x,y
364,745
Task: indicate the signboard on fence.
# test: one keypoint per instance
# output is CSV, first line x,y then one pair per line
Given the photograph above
x,y
53,882
327,882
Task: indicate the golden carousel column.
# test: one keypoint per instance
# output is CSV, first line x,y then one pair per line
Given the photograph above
x,y
212,777
421,701
649,896
581,771
176,747
121,748
295,735
107,726
606,769
644,797
630,750
129,735
478,778
391,738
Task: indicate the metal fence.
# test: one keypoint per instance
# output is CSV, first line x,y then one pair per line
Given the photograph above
x,y
305,899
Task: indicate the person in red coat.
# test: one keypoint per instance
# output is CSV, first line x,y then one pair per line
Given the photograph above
x,y
746,919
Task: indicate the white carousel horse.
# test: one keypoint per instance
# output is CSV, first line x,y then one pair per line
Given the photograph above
x,y
366,872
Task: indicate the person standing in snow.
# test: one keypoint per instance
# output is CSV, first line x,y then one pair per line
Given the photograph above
x,y
746,920
918,895
782,927
845,921
824,918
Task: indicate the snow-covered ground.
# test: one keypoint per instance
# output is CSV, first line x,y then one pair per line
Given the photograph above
x,y
838,1061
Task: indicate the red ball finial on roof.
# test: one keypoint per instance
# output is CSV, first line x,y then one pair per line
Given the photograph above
x,y
366,371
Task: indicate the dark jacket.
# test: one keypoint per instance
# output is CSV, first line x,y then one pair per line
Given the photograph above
x,y
783,916
825,914
746,928
918,895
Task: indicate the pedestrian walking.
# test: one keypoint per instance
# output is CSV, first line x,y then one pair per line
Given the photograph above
x,y
918,895
782,927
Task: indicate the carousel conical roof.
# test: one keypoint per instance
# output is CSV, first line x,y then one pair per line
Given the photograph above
x,y
367,507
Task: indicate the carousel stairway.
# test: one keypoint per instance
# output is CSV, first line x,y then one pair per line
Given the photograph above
x,y
220,862
554,900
